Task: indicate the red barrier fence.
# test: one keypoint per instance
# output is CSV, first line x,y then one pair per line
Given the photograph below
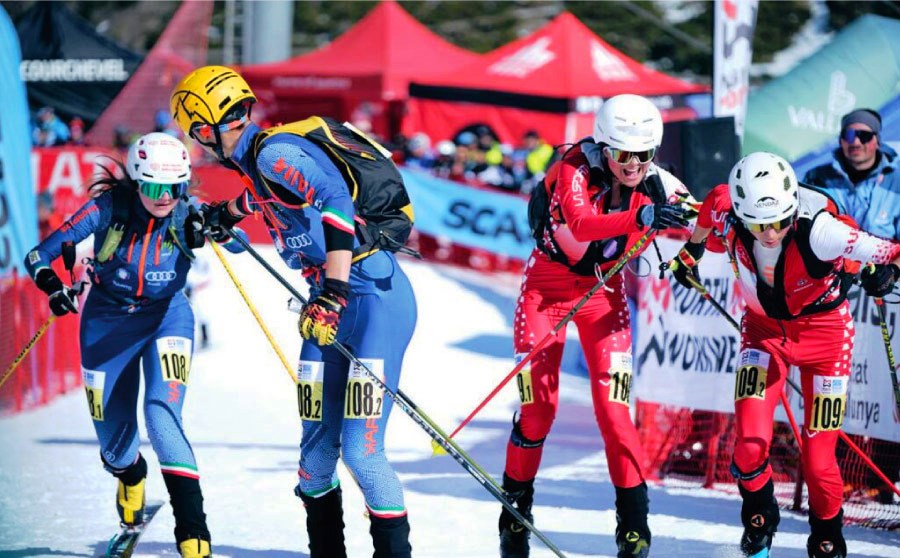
x,y
52,367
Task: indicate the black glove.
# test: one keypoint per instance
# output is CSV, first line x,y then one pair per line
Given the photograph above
x,y
62,299
320,318
193,229
687,261
878,280
662,216
218,219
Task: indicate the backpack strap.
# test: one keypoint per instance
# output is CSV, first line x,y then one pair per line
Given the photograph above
x,y
121,205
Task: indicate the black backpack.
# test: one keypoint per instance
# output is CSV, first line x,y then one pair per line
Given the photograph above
x,y
377,189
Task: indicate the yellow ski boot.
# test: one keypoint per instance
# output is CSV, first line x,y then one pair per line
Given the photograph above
x,y
130,502
194,548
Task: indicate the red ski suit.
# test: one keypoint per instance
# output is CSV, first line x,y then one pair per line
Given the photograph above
x,y
585,228
803,319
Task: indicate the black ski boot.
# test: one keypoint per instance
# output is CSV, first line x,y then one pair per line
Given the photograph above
x,y
760,516
632,531
513,534
325,524
191,533
826,539
390,537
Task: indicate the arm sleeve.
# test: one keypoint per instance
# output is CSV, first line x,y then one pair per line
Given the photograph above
x,y
80,226
571,193
320,185
831,238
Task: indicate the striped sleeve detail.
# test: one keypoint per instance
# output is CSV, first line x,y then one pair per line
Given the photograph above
x,y
336,219
180,469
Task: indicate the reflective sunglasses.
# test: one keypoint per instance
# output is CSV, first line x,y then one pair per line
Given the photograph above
x,y
864,136
777,225
155,190
624,157
205,133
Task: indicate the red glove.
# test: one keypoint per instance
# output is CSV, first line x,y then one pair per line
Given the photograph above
x,y
320,318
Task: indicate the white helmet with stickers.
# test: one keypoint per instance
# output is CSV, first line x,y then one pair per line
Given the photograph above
x,y
763,189
629,123
158,158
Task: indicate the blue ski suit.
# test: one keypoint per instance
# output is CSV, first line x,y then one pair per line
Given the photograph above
x,y
343,412
135,312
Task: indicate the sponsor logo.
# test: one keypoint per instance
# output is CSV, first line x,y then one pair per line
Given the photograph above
x,y
299,241
608,66
766,202
160,276
122,273
84,69
525,60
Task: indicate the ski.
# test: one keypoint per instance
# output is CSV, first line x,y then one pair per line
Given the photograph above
x,y
122,544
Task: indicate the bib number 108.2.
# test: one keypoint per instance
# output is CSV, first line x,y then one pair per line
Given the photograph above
x,y
364,398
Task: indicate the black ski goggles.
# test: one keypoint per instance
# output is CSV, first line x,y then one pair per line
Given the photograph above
x,y
155,190
776,226
865,136
623,157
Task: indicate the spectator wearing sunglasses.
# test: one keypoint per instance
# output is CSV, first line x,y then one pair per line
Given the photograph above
x,y
788,244
136,317
862,177
605,193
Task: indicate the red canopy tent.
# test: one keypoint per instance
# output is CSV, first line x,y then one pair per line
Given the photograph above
x,y
551,81
372,63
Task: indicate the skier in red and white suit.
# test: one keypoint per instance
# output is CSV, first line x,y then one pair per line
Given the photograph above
x,y
789,246
606,193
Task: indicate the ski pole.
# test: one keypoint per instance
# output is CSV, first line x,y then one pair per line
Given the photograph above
x,y
253,311
416,414
27,348
843,435
892,364
620,263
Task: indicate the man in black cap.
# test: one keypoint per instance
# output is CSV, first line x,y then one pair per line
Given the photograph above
x,y
862,177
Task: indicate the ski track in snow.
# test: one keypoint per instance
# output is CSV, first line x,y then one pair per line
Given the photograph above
x,y
241,418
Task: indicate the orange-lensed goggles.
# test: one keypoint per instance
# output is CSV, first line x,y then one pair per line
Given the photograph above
x,y
777,225
623,157
205,133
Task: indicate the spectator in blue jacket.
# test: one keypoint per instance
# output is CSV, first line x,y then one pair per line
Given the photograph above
x,y
49,130
862,177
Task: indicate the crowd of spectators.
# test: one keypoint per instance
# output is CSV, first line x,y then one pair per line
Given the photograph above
x,y
475,157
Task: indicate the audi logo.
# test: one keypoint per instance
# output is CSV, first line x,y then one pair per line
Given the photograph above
x,y
158,276
297,242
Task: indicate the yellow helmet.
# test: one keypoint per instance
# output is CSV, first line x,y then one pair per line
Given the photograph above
x,y
206,95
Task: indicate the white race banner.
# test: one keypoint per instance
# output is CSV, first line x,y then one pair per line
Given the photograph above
x,y
686,352
734,23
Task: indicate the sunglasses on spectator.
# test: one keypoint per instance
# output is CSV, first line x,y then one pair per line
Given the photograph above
x,y
155,190
776,226
623,157
851,134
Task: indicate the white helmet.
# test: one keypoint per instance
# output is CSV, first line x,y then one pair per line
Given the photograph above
x,y
628,122
763,189
160,158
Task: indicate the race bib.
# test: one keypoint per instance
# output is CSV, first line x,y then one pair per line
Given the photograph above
x,y
750,379
174,358
523,381
829,402
94,381
309,389
620,378
364,398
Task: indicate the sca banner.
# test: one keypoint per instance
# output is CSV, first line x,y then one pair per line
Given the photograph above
x,y
478,218
686,352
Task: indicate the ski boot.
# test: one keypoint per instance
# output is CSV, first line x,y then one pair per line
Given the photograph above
x,y
826,539
760,516
390,536
513,534
325,524
195,547
632,531
130,497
